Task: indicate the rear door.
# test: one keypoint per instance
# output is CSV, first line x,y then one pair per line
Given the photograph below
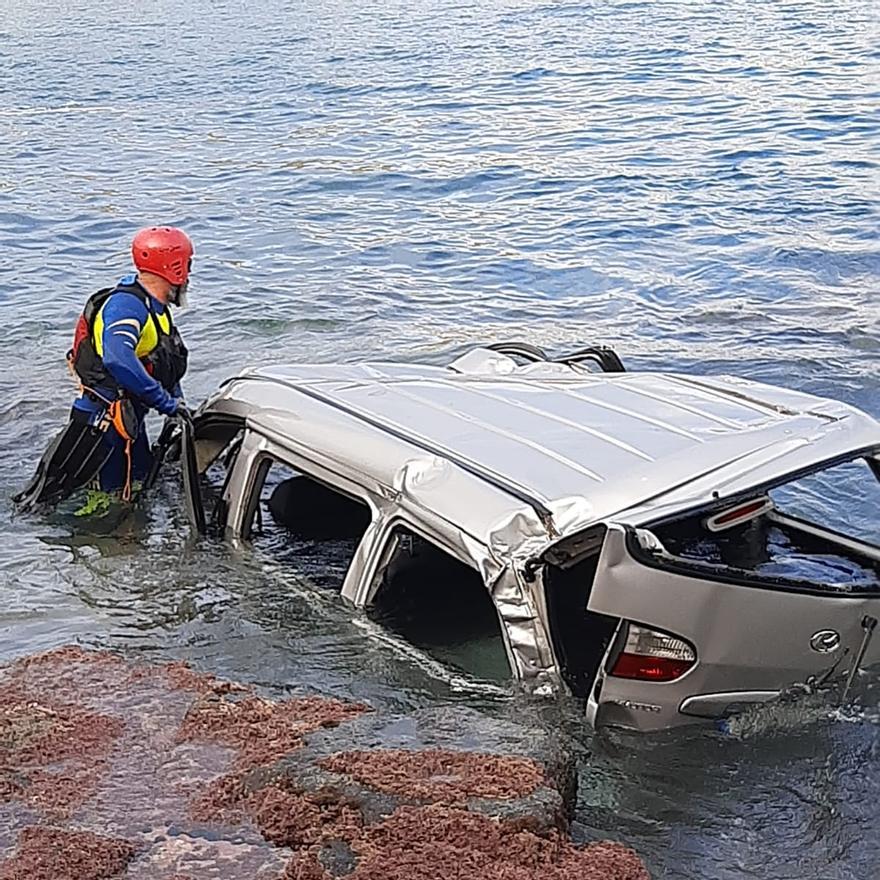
x,y
747,638
192,491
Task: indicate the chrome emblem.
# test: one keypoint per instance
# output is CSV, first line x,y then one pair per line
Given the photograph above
x,y
825,641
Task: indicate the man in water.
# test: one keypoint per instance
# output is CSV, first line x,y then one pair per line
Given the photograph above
x,y
129,358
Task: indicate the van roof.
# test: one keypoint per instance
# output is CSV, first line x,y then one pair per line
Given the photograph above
x,y
574,447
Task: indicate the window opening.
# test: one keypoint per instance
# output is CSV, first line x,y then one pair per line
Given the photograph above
x,y
821,530
844,498
306,524
217,444
440,605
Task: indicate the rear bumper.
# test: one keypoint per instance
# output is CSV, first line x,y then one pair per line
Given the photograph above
x,y
637,706
723,704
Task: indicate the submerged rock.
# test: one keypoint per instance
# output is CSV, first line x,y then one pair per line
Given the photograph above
x,y
452,756
195,778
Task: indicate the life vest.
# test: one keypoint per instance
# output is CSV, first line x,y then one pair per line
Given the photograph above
x,y
159,348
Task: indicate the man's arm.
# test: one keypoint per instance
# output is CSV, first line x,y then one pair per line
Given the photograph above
x,y
124,318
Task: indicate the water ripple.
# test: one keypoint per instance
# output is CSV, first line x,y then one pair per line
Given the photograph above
x,y
695,183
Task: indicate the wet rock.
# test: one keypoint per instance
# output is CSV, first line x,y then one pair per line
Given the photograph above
x,y
445,793
452,756
56,854
426,843
51,752
23,721
337,858
192,856
208,779
91,741
261,730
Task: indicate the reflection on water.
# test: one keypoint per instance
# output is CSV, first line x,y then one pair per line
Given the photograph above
x,y
695,183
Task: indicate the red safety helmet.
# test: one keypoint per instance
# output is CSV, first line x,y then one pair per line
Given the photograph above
x,y
165,251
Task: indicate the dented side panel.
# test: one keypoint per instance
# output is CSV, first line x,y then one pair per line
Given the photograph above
x,y
519,606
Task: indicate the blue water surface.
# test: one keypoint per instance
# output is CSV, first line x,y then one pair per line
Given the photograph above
x,y
695,183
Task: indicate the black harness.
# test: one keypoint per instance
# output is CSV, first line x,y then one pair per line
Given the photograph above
x,y
166,363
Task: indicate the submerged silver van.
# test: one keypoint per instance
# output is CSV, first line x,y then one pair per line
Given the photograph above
x,y
647,540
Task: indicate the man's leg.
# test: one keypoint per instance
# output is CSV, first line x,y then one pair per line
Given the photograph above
x,y
141,456
113,474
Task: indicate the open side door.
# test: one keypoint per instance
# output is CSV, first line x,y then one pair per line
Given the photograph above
x,y
177,441
580,636
192,493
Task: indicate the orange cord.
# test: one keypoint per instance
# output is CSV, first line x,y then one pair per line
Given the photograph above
x,y
114,411
118,421
126,490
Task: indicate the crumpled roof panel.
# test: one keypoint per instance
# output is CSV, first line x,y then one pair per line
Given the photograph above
x,y
611,441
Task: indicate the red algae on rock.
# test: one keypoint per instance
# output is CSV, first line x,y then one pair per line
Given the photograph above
x,y
305,866
40,733
50,753
181,676
284,815
304,819
68,657
221,800
439,775
56,854
290,796
433,842
429,843
262,731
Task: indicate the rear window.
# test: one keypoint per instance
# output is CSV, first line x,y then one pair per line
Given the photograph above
x,y
819,531
845,498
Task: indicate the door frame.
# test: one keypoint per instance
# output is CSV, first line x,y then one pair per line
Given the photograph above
x,y
246,482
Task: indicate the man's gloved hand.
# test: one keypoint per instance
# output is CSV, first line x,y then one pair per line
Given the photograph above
x,y
181,411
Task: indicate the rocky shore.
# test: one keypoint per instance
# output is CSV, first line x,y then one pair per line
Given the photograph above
x,y
113,769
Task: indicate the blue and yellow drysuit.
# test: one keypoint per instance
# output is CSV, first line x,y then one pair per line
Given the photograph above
x,y
131,350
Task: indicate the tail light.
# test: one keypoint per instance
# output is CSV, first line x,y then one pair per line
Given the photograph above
x,y
648,655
